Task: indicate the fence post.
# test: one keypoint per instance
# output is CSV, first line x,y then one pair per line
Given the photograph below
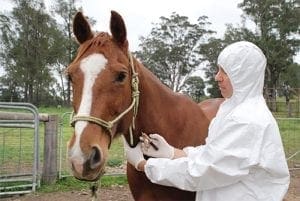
x,y
49,174
289,108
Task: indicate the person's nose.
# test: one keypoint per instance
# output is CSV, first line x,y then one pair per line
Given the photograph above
x,y
218,77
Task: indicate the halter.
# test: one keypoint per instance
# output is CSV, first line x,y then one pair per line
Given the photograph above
x,y
134,105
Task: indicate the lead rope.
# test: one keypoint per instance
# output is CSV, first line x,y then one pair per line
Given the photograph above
x,y
135,96
94,188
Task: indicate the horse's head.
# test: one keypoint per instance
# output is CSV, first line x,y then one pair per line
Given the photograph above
x,y
101,77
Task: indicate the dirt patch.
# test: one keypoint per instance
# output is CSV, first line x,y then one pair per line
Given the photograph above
x,y
294,188
122,193
116,193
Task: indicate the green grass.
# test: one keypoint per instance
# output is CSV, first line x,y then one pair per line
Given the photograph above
x,y
290,134
55,110
70,184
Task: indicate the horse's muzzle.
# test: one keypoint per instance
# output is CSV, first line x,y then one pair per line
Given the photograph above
x,y
92,167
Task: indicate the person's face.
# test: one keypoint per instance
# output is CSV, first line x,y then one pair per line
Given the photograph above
x,y
224,83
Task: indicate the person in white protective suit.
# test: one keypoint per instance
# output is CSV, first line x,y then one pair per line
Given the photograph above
x,y
243,158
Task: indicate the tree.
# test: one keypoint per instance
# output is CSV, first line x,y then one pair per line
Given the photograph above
x,y
28,45
292,76
210,52
194,87
170,51
65,9
277,23
277,34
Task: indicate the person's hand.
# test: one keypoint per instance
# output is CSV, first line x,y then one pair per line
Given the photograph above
x,y
134,155
160,149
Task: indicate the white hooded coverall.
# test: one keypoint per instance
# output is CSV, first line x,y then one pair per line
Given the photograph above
x,y
243,158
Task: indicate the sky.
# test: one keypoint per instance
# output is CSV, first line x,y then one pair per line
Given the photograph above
x,y
139,16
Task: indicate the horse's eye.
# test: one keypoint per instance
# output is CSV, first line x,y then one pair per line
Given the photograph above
x,y
120,76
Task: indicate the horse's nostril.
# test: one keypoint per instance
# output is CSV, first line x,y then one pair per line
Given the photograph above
x,y
95,158
76,166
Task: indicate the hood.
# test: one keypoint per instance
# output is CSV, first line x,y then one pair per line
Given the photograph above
x,y
245,65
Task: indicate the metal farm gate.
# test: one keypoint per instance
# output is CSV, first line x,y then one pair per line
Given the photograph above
x,y
19,148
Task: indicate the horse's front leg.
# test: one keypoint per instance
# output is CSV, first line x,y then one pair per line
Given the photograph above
x,y
143,190
139,185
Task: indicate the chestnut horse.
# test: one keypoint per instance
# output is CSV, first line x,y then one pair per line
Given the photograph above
x,y
115,94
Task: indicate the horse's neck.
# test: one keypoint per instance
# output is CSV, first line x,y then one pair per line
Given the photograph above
x,y
154,94
161,111
159,103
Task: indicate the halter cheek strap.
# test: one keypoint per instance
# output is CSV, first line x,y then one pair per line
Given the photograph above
x,y
133,106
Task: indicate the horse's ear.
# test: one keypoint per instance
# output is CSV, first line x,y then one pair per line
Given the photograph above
x,y
118,29
81,28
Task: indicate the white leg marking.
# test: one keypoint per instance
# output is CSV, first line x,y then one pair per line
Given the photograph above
x,y
91,66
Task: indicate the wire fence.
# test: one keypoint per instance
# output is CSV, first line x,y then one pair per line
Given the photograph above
x,y
283,102
63,138
290,133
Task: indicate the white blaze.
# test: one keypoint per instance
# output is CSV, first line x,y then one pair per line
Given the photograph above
x,y
91,66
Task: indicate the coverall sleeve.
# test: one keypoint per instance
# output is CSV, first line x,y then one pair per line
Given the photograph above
x,y
224,160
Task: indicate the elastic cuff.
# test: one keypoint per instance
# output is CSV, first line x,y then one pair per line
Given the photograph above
x,y
172,153
137,165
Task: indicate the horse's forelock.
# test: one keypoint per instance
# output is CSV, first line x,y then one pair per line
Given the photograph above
x,y
101,38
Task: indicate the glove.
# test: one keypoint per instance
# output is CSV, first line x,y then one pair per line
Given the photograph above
x,y
134,155
162,149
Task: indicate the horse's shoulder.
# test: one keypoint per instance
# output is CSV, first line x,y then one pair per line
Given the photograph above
x,y
211,102
210,106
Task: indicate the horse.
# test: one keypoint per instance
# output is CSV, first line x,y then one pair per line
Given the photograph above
x,y
114,94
